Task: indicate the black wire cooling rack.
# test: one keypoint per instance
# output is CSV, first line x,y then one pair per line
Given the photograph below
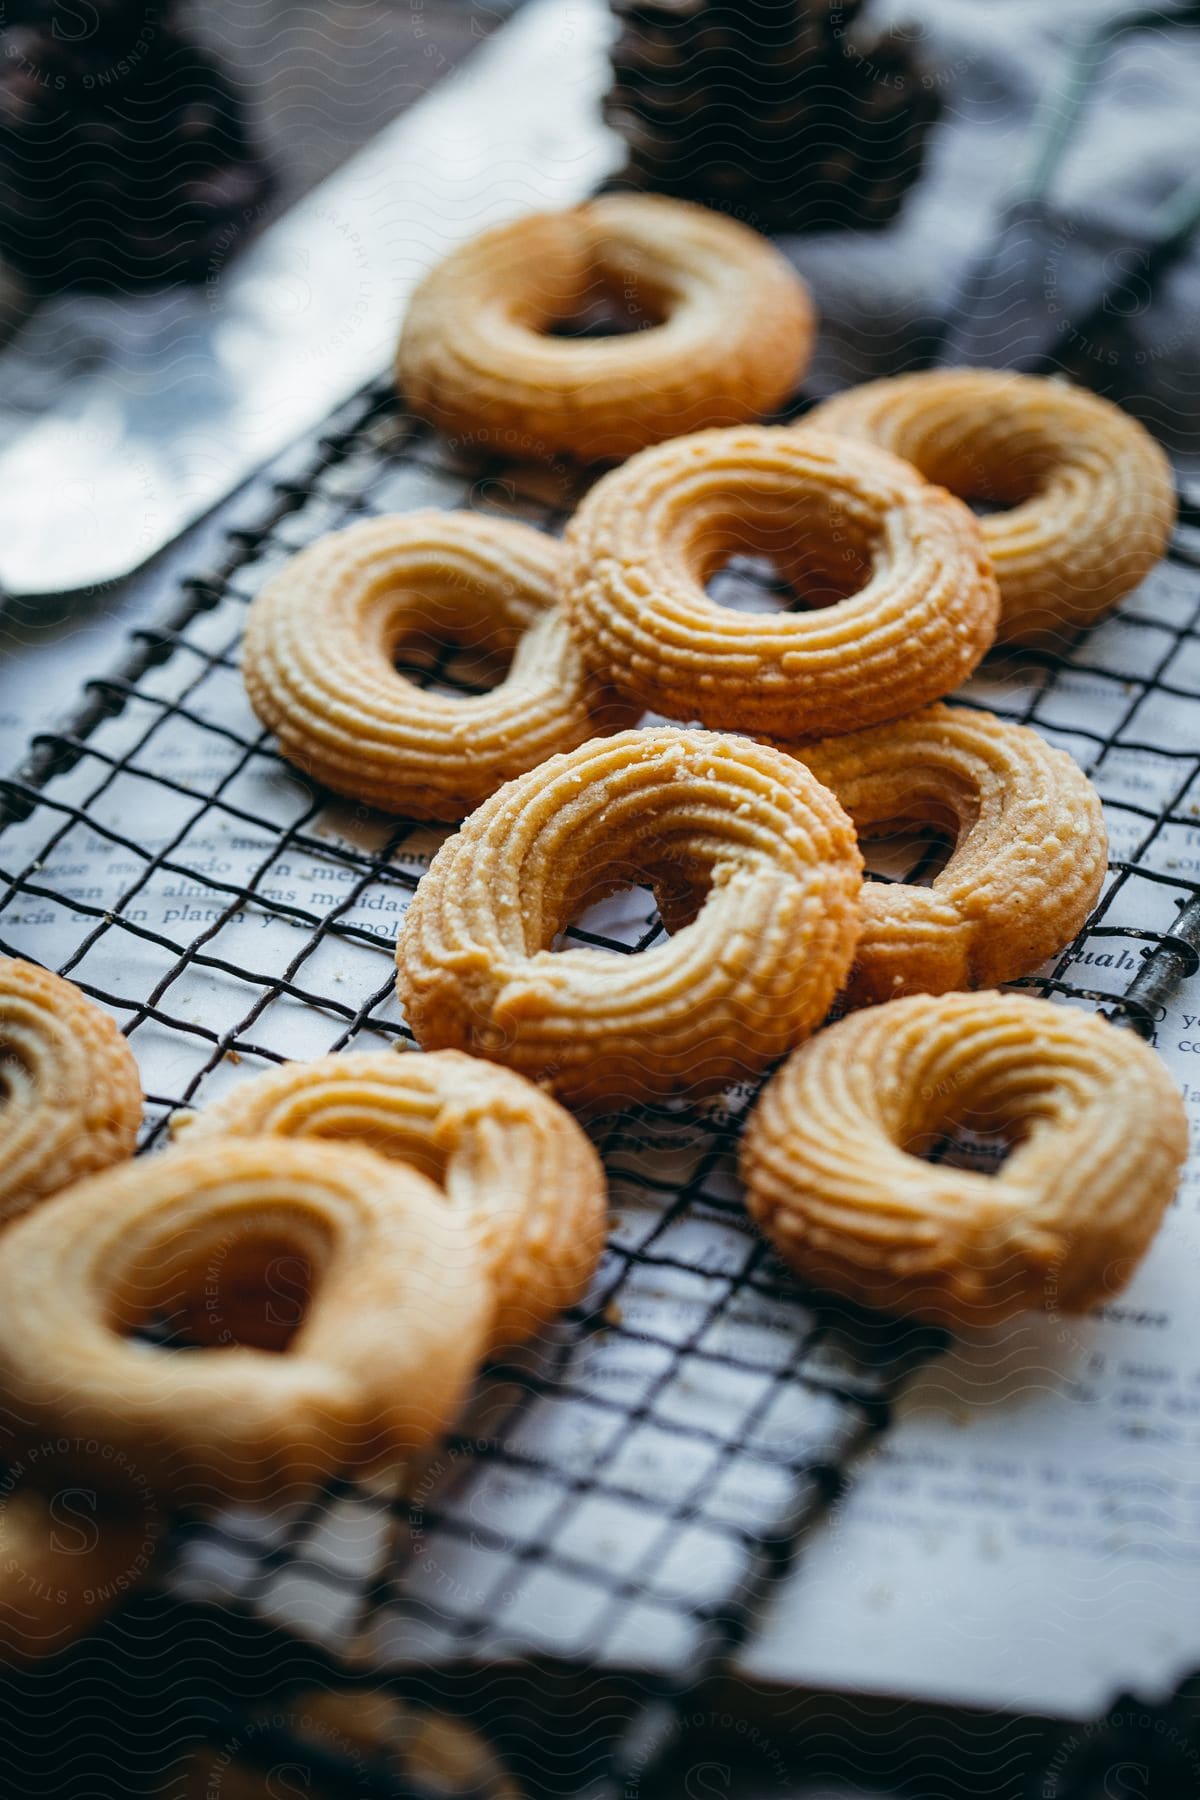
x,y
623,1498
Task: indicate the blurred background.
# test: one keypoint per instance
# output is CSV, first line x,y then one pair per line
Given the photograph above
x,y
211,210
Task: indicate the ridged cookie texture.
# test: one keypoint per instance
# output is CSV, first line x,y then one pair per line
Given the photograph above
x,y
834,1173
338,1305
729,330
1028,858
917,607
71,1098
320,646
754,866
511,1162
1090,495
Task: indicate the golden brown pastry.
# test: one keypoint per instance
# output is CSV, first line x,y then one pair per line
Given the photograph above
x,y
917,606
834,1172
754,866
730,329
1090,495
71,1099
320,643
509,1160
339,1307
1028,859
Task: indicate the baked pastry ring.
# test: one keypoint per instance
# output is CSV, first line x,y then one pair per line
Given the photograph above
x,y
72,1100
509,1159
230,1239
832,1165
1090,493
753,863
1029,856
322,635
919,601
732,330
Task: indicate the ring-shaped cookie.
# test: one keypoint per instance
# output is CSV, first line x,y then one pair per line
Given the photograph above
x,y
70,1097
730,333
834,1174
919,601
1028,859
238,1240
1090,494
322,637
751,860
510,1160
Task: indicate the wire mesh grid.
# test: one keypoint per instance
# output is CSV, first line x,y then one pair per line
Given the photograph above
x,y
622,1496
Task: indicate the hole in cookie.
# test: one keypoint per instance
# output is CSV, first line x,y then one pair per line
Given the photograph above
x,y
752,584
985,508
966,1144
611,308
252,1292
452,665
621,920
756,584
770,560
909,825
909,853
975,1124
990,479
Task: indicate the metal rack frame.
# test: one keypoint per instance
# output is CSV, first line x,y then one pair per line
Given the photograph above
x,y
684,1281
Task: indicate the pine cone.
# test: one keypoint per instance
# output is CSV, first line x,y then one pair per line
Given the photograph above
x,y
788,113
124,152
